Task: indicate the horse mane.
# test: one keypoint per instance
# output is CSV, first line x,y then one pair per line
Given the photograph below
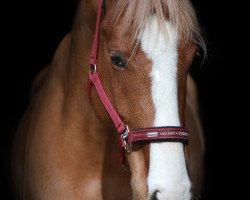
x,y
179,12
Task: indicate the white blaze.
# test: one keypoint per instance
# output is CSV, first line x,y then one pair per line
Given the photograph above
x,y
167,169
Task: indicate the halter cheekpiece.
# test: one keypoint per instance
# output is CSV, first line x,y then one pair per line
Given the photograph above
x,y
127,137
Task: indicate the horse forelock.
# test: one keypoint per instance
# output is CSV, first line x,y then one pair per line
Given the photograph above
x,y
180,14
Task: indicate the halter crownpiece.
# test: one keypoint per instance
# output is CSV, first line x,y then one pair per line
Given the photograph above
x,y
127,137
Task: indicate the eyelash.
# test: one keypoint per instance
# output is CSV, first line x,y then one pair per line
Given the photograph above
x,y
118,61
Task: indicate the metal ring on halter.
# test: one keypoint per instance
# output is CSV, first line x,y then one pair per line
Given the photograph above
x,y
128,146
126,167
92,68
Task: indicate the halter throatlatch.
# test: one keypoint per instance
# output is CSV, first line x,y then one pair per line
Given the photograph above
x,y
127,137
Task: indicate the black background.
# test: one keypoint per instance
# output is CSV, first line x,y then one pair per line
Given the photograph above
x,y
33,29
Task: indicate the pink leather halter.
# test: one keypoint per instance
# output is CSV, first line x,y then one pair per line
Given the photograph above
x,y
127,137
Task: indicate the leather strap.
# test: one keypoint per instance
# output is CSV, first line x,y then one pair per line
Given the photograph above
x,y
159,133
93,59
94,78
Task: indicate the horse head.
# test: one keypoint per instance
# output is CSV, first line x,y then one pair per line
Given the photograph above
x,y
144,54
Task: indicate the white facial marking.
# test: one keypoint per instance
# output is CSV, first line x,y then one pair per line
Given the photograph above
x,y
167,169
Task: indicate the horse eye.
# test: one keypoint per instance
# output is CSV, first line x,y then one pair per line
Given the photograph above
x,y
118,61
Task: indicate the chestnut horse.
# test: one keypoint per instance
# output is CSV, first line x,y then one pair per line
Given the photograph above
x,y
66,146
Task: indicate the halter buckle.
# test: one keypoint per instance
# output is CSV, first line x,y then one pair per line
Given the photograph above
x,y
124,139
92,68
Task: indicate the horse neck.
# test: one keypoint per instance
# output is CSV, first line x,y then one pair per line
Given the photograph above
x,y
86,15
82,35
74,74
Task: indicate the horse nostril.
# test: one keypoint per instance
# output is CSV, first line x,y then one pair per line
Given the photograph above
x,y
154,195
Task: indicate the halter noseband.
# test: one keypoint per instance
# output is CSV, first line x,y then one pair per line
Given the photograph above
x,y
127,137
